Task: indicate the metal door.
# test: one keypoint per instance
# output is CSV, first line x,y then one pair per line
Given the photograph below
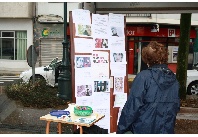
x,y
50,49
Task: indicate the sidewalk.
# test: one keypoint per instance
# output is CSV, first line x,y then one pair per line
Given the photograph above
x,y
12,131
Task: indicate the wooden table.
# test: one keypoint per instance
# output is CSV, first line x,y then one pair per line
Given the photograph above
x,y
73,117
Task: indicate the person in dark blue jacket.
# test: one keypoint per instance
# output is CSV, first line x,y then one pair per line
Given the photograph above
x,y
153,101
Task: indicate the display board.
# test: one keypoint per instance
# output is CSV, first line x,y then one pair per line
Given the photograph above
x,y
99,63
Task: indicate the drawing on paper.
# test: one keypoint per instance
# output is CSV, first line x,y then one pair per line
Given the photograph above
x,y
118,84
99,59
84,90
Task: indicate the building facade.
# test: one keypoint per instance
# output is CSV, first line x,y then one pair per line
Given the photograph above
x,y
41,24
15,35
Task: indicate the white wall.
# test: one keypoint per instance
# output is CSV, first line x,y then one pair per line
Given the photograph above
x,y
16,66
163,19
45,8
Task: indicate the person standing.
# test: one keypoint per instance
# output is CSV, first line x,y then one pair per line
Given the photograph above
x,y
153,101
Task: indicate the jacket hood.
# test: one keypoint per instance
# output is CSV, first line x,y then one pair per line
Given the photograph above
x,y
163,76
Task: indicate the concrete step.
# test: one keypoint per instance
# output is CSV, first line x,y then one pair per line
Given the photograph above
x,y
6,108
188,113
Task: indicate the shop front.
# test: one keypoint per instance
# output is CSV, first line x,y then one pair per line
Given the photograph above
x,y
139,36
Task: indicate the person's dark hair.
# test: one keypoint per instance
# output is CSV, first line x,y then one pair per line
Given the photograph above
x,y
155,53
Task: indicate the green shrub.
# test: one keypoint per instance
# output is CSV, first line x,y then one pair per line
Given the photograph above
x,y
37,95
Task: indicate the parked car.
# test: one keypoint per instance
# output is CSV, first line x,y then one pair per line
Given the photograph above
x,y
192,82
48,73
51,72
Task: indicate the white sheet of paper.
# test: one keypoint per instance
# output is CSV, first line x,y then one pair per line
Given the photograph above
x,y
101,99
83,68
118,57
83,74
120,99
116,44
100,25
100,71
83,45
81,16
100,64
84,101
116,19
118,69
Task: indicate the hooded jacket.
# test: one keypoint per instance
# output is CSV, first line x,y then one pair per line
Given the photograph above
x,y
152,104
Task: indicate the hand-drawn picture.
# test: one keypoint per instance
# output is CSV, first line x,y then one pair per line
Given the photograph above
x,y
118,57
118,84
84,30
99,59
101,43
117,31
84,90
82,62
101,86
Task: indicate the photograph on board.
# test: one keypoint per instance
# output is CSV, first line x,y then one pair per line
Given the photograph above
x,y
101,86
101,43
82,62
83,30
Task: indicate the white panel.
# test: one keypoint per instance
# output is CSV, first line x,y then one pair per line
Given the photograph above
x,y
145,4
147,7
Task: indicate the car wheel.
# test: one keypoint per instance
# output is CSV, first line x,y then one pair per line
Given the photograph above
x,y
193,88
38,77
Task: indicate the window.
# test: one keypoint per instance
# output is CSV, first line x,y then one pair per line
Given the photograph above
x,y
13,45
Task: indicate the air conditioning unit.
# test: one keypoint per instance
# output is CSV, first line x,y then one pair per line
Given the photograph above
x,y
87,6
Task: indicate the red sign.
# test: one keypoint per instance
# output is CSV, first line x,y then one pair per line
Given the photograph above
x,y
163,32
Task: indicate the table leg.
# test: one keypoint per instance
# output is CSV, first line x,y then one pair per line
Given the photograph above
x,y
47,127
59,128
81,129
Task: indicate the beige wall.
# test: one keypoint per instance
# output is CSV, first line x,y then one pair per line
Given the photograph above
x,y
16,9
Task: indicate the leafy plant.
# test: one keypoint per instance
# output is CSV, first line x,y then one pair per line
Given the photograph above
x,y
37,95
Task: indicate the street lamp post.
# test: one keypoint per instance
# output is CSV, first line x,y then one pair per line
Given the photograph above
x,y
64,79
